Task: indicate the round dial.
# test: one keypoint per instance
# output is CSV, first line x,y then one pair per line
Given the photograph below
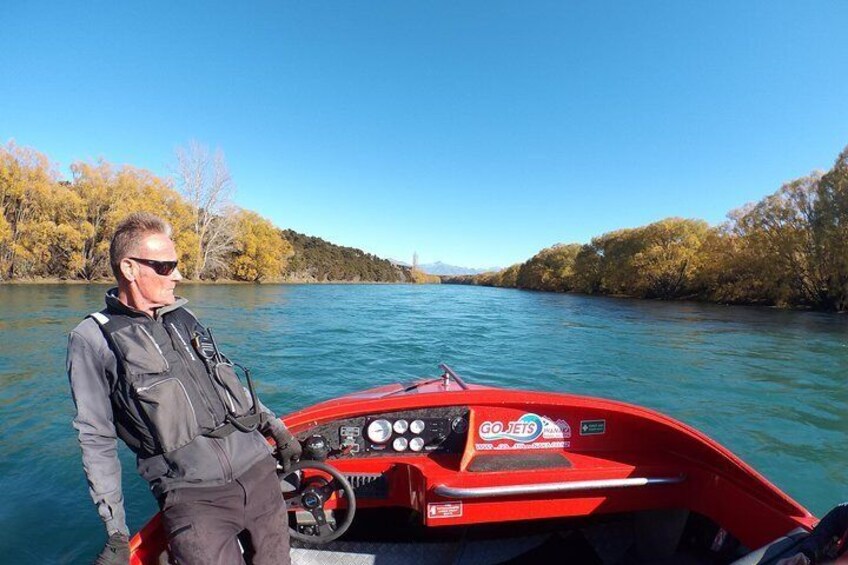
x,y
416,444
380,431
400,444
401,426
417,426
459,425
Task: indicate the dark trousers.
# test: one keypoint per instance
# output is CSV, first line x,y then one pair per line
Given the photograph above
x,y
202,523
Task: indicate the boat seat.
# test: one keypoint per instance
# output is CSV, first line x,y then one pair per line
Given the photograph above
x,y
784,546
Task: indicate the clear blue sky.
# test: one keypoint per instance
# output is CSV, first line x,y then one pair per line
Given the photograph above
x,y
475,133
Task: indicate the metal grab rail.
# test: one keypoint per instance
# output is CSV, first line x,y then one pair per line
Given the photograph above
x,y
451,374
543,488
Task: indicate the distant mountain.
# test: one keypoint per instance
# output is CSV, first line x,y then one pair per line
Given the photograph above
x,y
439,268
317,260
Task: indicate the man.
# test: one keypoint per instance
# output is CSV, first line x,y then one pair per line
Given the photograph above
x,y
827,543
145,371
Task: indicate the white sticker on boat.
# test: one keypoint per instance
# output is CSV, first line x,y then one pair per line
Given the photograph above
x,y
519,446
436,510
526,429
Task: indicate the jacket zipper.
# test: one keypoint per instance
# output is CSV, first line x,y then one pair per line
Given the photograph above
x,y
183,341
156,345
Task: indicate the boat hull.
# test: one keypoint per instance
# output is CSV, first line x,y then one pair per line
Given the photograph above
x,y
508,456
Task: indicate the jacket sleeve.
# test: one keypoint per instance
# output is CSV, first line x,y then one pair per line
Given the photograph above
x,y
96,428
270,423
832,529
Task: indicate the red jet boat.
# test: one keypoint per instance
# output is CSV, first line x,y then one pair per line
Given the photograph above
x,y
440,471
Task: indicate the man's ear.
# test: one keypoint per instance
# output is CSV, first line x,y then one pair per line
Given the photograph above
x,y
128,270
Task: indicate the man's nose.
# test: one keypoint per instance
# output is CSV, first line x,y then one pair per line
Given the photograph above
x,y
176,275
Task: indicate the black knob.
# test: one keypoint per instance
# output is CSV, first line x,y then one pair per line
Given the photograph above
x,y
316,448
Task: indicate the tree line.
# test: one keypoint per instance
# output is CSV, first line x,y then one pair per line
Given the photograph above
x,y
55,228
788,249
60,229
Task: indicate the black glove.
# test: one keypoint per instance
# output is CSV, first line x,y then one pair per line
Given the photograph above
x,y
116,551
288,448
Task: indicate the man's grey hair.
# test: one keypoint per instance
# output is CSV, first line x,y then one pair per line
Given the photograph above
x,y
128,236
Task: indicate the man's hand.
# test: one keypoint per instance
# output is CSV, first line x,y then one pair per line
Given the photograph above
x,y
288,448
116,551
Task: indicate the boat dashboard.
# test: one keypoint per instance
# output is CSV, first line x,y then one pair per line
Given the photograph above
x,y
440,430
495,455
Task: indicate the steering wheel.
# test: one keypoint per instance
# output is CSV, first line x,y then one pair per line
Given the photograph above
x,y
311,491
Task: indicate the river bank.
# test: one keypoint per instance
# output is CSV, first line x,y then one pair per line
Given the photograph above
x,y
53,281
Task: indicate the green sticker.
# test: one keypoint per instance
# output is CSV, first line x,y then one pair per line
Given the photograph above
x,y
593,427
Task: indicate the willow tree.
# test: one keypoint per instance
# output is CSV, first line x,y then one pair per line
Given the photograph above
x,y
668,261
831,234
109,195
550,269
782,229
260,252
731,270
508,277
606,265
27,200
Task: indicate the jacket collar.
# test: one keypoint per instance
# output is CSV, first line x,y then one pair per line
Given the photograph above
x,y
117,307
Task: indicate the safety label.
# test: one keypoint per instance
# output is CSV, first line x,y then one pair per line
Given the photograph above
x,y
436,510
593,427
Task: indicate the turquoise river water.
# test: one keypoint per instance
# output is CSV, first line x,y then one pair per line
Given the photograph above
x,y
768,384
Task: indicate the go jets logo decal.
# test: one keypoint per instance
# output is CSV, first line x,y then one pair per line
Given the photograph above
x,y
526,429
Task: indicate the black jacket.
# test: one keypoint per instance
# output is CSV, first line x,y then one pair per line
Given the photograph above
x,y
94,373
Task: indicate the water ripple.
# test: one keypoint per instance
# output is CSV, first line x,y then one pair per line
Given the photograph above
x,y
768,384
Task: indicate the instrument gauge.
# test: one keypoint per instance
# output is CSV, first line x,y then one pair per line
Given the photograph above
x,y
401,426
380,431
400,444
416,444
417,426
459,425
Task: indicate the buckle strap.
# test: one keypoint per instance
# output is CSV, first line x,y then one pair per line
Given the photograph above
x,y
233,424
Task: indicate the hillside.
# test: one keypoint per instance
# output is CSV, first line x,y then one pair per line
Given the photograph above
x,y
317,260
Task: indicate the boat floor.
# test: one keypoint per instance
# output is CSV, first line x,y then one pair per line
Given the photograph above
x,y
655,538
533,549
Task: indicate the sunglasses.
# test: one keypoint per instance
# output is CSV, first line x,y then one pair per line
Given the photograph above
x,y
163,268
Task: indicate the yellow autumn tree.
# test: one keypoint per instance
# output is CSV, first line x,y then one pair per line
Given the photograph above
x,y
51,243
109,195
261,252
669,257
39,229
550,269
